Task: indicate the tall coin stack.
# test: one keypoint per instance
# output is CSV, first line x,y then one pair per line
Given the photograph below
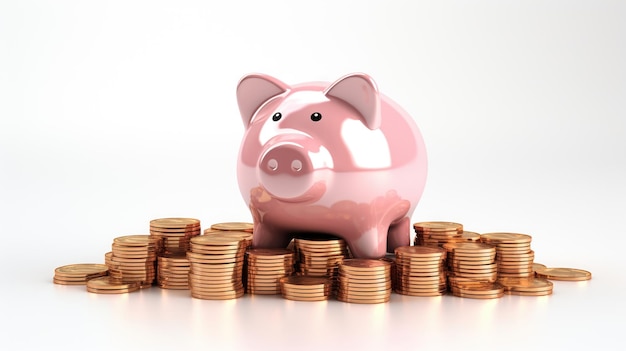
x,y
216,266
472,270
364,281
513,254
173,272
320,256
420,271
175,233
133,259
437,233
265,269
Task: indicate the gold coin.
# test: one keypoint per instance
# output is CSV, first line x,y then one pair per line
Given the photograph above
x,y
356,264
174,222
363,301
173,287
421,251
469,247
211,296
478,296
438,226
566,274
112,291
525,285
68,282
247,236
528,293
106,283
81,269
135,240
308,299
515,275
418,294
466,263
216,240
233,226
505,238
470,236
537,266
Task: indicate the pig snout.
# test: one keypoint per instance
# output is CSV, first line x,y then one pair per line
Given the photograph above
x,y
286,170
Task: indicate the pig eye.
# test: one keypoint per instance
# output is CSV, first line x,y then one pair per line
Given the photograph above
x,y
276,116
316,116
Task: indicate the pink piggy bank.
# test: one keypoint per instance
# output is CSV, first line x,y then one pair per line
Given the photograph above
x,y
339,159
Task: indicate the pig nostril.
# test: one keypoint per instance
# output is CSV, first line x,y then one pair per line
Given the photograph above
x,y
296,165
272,164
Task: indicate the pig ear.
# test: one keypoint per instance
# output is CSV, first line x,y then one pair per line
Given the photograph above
x,y
253,90
360,91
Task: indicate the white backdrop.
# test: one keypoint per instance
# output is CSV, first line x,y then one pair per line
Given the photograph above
x,y
113,113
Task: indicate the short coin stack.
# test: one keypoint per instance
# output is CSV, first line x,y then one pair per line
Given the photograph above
x,y
437,233
79,274
265,269
133,259
104,285
420,271
173,272
175,233
473,261
476,289
513,254
305,288
216,267
320,256
526,286
472,270
364,281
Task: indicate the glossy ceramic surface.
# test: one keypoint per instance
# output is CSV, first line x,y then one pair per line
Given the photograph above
x,y
337,158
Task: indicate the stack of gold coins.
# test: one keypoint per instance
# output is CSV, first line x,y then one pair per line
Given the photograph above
x,y
475,289
265,269
175,233
107,259
173,272
526,286
244,234
474,261
133,259
472,270
305,288
567,274
437,233
420,271
363,280
391,258
105,285
79,274
513,254
233,226
319,256
216,267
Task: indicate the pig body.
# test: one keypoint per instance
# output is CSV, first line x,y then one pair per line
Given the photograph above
x,y
335,158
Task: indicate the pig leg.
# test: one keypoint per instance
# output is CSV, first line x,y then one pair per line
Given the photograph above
x,y
265,236
399,234
368,245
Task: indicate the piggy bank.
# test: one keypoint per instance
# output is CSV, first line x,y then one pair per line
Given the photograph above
x,y
334,158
